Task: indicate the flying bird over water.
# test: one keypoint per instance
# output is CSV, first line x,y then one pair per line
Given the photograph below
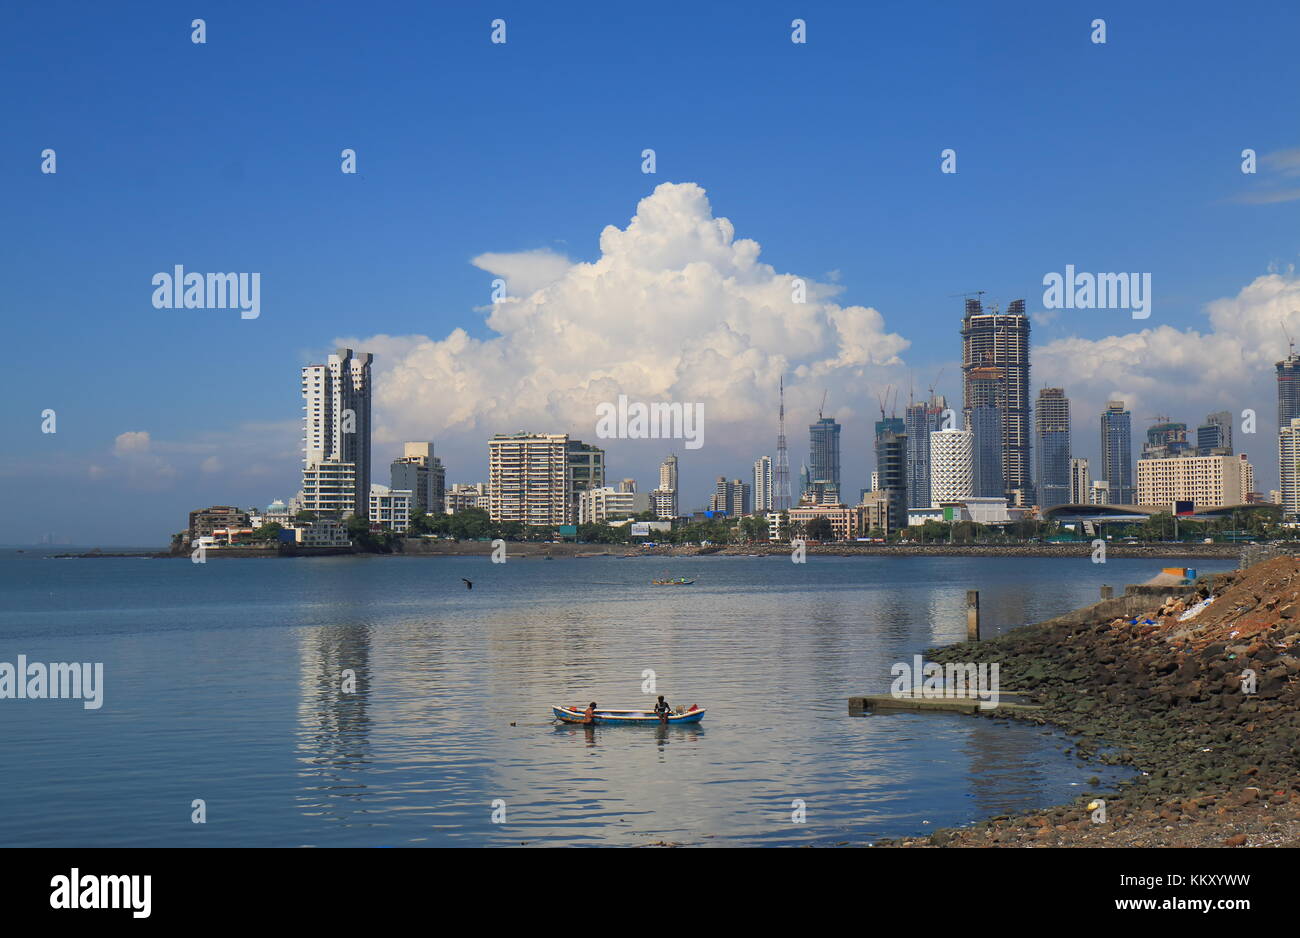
x,y
469,585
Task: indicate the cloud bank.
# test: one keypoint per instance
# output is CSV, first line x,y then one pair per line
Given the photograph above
x,y
1187,373
675,308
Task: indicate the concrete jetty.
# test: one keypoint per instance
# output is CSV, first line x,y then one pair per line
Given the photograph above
x,y
1008,702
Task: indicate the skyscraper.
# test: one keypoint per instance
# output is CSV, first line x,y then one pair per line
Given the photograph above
x,y
586,472
1288,462
763,485
824,455
995,371
668,474
1052,426
919,421
586,465
739,498
1117,453
985,425
1166,440
891,464
529,479
952,466
1215,434
891,424
732,497
1288,389
1080,482
336,435
663,500
895,426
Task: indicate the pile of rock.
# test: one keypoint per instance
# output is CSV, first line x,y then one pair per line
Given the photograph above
x,y
1208,706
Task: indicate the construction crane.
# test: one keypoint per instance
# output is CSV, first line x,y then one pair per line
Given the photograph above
x,y
822,407
971,293
888,399
1290,343
935,382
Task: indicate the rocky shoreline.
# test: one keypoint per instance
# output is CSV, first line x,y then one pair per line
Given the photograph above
x,y
1166,692
1077,549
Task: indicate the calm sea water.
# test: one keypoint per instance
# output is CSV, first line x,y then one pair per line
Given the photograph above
x,y
222,684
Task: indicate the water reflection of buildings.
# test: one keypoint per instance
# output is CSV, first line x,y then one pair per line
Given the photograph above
x,y
333,726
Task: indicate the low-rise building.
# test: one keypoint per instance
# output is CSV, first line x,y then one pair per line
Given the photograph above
x,y
845,521
326,532
390,509
205,521
876,512
464,495
598,505
986,510
277,513
990,510
229,537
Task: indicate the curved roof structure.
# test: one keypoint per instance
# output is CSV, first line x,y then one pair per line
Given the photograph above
x,y
1133,512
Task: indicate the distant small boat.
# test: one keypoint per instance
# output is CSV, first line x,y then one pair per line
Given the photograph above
x,y
672,581
626,717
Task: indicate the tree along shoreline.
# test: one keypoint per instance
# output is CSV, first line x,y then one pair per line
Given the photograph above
x,y
424,547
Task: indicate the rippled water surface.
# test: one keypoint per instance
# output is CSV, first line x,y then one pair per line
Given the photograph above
x,y
222,683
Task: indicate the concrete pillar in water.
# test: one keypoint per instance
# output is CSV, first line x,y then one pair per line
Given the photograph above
x,y
1108,592
972,615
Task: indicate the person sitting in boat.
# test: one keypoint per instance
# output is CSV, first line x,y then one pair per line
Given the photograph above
x,y
589,716
662,709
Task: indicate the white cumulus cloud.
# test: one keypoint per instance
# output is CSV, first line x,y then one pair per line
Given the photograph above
x,y
675,308
131,443
1187,373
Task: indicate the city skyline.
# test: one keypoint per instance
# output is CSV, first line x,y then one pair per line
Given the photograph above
x,y
348,381
400,258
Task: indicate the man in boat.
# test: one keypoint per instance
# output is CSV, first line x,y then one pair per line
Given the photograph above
x,y
663,709
589,716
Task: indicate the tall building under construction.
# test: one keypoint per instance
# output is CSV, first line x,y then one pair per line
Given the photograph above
x,y
824,456
1288,390
920,420
995,374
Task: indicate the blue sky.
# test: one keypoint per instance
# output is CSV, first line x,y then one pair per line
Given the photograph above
x,y
225,156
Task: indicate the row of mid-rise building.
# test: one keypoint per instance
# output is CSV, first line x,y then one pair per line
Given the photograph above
x,y
552,479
